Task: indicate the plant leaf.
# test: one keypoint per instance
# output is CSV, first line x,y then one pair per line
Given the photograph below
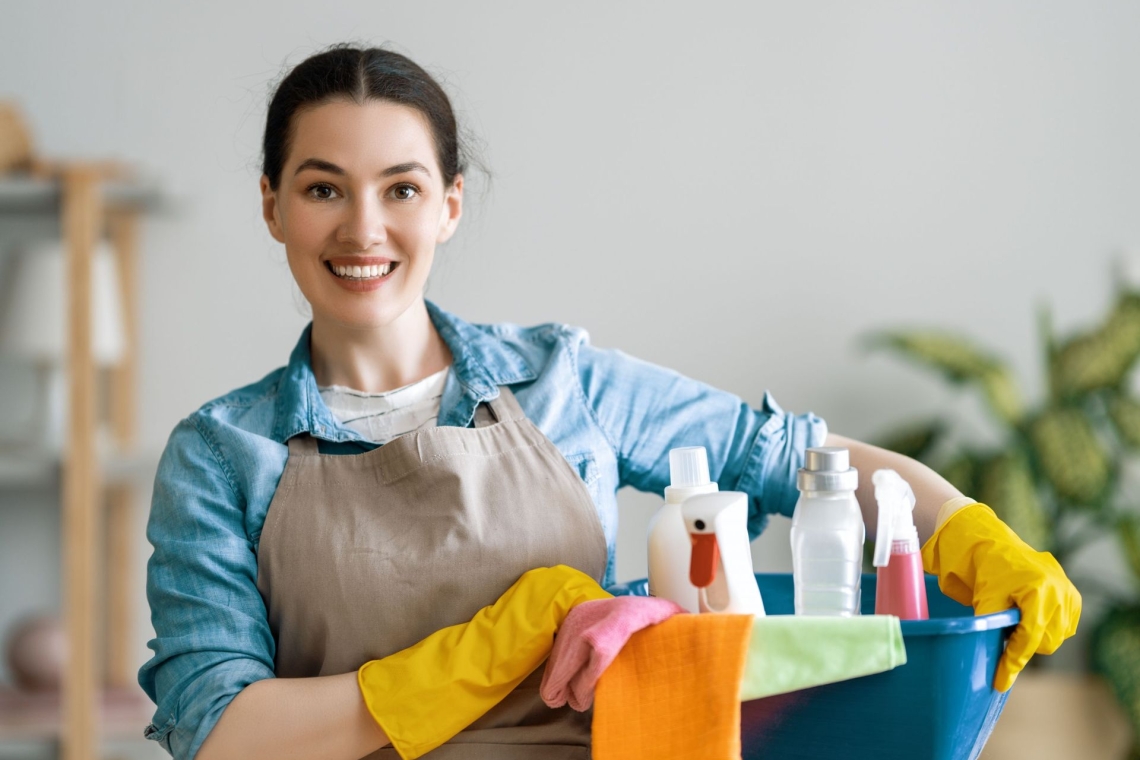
x,y
1101,358
1129,532
960,360
1125,414
1070,456
915,441
1006,484
955,356
1003,395
961,473
1115,649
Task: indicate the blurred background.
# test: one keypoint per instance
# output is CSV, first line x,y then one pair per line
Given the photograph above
x,y
744,192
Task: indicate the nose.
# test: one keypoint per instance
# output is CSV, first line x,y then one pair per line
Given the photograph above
x,y
363,225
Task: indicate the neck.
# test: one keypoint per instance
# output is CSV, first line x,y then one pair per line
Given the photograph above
x,y
378,359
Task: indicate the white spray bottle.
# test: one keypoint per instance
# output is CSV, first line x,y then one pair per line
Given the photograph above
x,y
670,548
900,588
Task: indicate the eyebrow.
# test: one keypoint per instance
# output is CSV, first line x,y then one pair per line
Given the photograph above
x,y
328,166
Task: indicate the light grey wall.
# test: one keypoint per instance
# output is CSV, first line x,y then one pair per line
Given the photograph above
x,y
738,191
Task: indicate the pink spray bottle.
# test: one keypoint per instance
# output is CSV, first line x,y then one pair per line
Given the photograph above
x,y
901,587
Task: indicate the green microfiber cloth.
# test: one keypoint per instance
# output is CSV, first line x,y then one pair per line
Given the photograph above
x,y
791,652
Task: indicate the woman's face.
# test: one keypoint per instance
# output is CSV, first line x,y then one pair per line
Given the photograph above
x,y
360,207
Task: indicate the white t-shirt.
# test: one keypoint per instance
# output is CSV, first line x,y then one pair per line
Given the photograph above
x,y
380,417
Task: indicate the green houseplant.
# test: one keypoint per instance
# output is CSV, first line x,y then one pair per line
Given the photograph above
x,y
1058,475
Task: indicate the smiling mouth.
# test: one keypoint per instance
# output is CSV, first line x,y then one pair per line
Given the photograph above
x,y
360,274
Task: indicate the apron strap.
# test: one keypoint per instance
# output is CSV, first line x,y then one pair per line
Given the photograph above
x,y
503,408
483,416
302,444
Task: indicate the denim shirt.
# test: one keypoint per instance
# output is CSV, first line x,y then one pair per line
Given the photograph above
x,y
613,417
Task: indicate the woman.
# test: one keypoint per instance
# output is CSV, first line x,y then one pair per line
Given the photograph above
x,y
406,466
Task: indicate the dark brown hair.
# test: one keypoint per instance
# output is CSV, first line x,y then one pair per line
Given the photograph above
x,y
360,74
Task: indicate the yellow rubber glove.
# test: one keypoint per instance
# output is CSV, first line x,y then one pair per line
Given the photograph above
x,y
982,563
424,695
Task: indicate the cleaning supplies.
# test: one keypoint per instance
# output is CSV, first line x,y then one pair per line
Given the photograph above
x,y
721,559
669,545
792,652
589,640
900,589
827,535
672,693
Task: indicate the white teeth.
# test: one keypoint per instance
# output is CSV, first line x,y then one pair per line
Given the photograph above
x,y
363,273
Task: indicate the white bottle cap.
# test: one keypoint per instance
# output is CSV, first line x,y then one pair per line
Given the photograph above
x,y
688,467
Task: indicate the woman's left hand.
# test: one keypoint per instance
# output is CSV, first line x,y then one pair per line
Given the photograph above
x,y
981,562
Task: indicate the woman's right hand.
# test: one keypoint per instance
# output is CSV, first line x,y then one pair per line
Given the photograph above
x,y
295,718
426,694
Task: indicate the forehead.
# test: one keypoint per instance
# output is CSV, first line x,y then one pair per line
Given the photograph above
x,y
373,135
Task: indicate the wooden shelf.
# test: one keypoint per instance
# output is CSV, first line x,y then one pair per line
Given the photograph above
x,y
123,714
32,470
87,200
29,195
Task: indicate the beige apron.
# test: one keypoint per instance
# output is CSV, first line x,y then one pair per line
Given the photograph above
x,y
364,555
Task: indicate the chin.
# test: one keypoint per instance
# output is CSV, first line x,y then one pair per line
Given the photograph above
x,y
373,316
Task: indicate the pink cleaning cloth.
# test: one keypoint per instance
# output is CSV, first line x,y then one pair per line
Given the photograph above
x,y
589,640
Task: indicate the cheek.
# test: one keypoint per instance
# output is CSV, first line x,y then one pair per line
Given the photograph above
x,y
420,231
306,225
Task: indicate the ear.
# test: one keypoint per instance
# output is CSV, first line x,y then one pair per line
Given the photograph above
x,y
270,211
452,210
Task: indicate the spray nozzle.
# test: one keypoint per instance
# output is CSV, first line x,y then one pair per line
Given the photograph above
x,y
896,514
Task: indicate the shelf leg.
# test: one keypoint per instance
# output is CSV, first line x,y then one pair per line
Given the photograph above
x,y
82,218
123,228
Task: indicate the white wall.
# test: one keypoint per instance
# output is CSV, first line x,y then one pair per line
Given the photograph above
x,y
738,191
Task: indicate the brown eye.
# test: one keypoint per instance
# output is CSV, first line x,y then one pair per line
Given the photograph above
x,y
404,192
319,188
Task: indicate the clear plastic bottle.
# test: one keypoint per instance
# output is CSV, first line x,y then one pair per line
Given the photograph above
x,y
827,535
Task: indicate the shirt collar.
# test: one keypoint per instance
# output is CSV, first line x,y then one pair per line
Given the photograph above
x,y
481,363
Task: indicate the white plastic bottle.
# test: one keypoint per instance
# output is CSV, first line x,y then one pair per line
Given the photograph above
x,y
827,535
670,548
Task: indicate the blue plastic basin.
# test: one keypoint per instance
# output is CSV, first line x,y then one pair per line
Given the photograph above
x,y
941,705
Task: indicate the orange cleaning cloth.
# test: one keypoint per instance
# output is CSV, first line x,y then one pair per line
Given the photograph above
x,y
674,691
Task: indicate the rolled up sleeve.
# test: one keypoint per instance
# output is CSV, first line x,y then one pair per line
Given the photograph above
x,y
645,410
212,638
